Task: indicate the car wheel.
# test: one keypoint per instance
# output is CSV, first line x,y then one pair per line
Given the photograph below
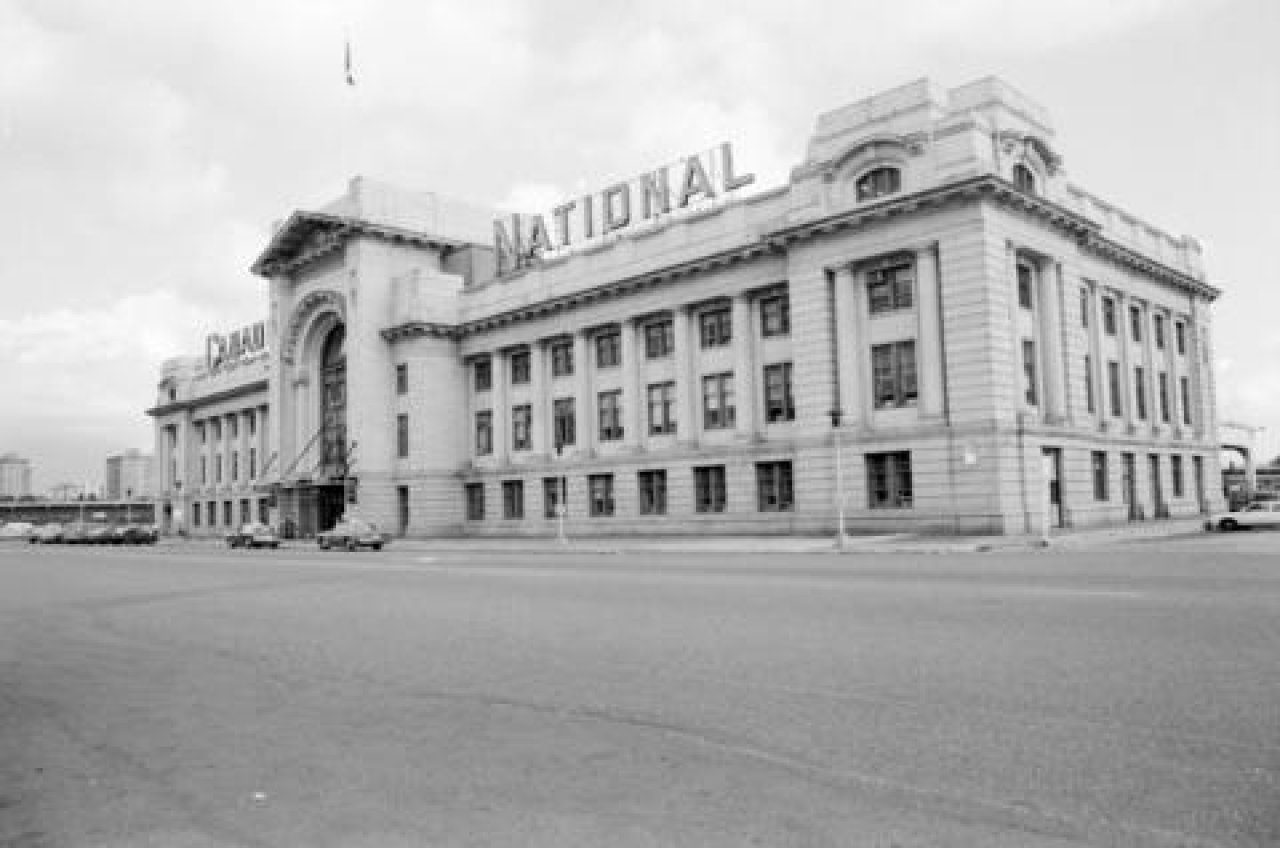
x,y
377,547
1228,524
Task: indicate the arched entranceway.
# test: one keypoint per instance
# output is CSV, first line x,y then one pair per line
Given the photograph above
x,y
334,451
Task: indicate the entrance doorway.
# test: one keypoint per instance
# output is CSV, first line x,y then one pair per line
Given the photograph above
x,y
1051,459
330,503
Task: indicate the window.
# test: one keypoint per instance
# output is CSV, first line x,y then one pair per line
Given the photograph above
x,y
600,490
553,489
513,499
1180,337
1026,282
253,463
1135,323
653,492
235,465
717,401
245,514
521,427
773,487
878,183
204,433
662,408
889,480
253,424
195,515
402,435
890,287
610,409
1163,380
1113,388
484,433
520,367
217,468
228,517
204,470
402,379
1084,306
775,315
715,327
1140,393
1175,469
893,368
564,420
1088,383
1109,315
1157,330
1099,464
217,429
659,339
1029,371
233,426
1024,179
708,489
475,501
608,349
484,374
562,358
778,402
1184,389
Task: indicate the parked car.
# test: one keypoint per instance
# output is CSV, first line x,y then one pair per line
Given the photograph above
x,y
133,534
16,530
254,535
99,533
353,534
48,534
1257,515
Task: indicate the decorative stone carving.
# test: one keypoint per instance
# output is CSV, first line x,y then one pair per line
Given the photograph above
x,y
324,300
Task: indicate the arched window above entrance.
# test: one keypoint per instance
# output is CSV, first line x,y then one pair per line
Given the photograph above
x,y
335,349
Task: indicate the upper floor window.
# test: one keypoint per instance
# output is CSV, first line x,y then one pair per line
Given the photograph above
x,y
1084,307
718,410
775,315
520,367
1109,315
608,349
890,287
893,368
521,427
1157,330
659,339
609,405
1180,337
878,183
484,375
1135,323
779,405
1024,179
1026,282
715,327
562,358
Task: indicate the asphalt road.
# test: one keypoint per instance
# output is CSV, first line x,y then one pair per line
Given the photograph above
x,y
1127,696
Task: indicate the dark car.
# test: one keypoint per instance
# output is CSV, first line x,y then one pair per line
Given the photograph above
x,y
133,534
48,534
254,535
353,534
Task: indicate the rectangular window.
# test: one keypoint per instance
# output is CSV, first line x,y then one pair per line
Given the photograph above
x,y
521,427
1088,383
564,420
608,349
1029,371
484,374
600,490
204,471
1157,330
204,433
475,501
715,327
1164,397
402,435
653,492
1099,465
562,358
520,367
246,515
773,487
513,499
659,339
195,515
1140,392
893,368
889,480
775,315
233,426
708,489
1180,337
1084,306
212,513
217,468
217,429
1135,323
1113,388
484,433
1026,283
779,404
253,424
1184,388
402,379
662,408
253,463
553,491
718,412
1109,315
609,405
228,517
235,465
890,288
1175,469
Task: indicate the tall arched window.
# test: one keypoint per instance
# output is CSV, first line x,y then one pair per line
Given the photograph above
x,y
878,182
1023,179
333,402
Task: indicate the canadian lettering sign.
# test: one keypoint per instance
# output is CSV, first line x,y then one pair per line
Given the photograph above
x,y
702,179
221,352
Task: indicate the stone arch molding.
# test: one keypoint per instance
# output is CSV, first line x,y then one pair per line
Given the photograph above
x,y
313,305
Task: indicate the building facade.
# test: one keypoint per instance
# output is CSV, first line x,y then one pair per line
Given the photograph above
x,y
928,328
15,476
128,475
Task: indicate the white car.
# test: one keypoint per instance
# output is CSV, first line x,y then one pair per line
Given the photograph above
x,y
16,530
1260,514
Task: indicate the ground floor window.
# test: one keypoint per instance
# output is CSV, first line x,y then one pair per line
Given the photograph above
x,y
246,514
600,491
264,511
228,518
709,489
889,480
773,486
475,501
513,499
553,489
1099,464
653,492
1175,468
195,515
213,513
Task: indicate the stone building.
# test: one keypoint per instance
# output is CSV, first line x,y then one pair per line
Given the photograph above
x,y
15,476
927,328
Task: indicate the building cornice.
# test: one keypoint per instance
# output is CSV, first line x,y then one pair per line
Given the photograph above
x,y
309,236
421,329
205,400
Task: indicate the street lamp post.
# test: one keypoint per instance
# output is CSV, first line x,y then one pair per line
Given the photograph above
x,y
836,422
561,507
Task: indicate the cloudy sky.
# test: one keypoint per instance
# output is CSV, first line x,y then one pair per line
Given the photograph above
x,y
146,146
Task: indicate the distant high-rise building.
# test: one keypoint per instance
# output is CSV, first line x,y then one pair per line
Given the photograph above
x,y
128,475
15,476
